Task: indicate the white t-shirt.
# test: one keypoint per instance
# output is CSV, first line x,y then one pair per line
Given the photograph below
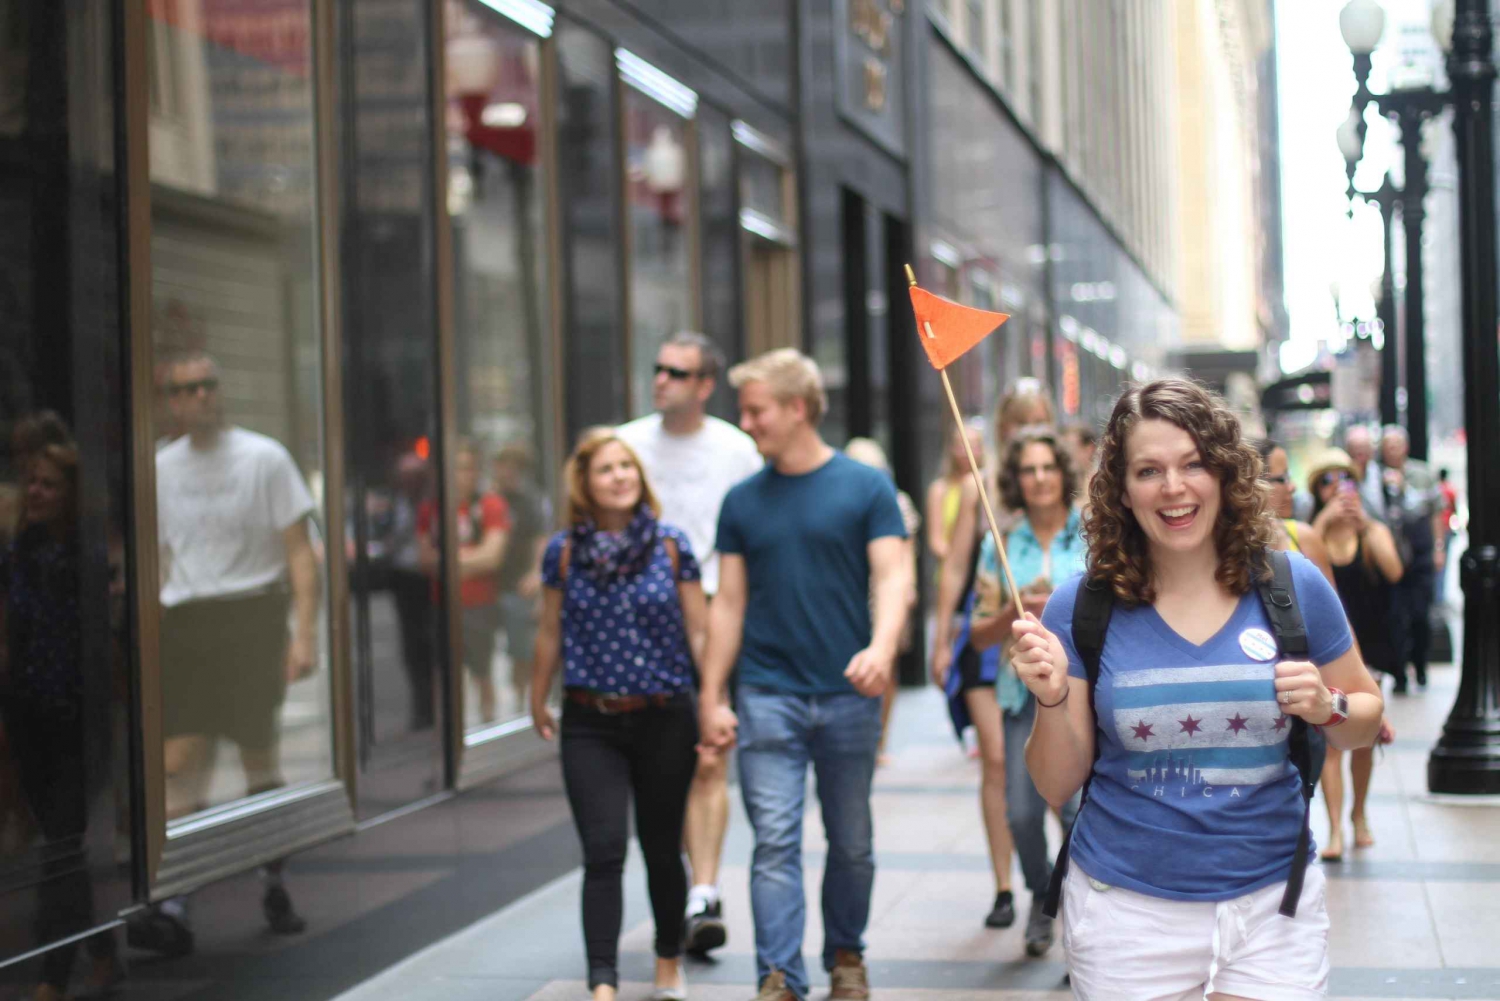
x,y
221,512
690,474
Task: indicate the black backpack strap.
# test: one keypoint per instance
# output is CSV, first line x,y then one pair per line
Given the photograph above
x,y
1279,597
1091,612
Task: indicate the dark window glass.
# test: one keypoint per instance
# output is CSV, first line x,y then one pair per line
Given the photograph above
x,y
589,183
720,228
65,801
390,401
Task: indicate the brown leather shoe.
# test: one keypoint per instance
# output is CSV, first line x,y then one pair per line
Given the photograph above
x,y
774,988
850,979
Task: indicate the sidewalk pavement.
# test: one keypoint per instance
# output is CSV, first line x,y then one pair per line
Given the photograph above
x,y
1416,916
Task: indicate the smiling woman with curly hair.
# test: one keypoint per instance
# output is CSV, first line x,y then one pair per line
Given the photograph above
x,y
1184,847
1118,550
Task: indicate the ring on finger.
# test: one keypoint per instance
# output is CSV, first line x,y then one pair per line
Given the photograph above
x,y
1286,698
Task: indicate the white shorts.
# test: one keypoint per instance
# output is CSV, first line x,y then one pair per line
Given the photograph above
x,y
1126,946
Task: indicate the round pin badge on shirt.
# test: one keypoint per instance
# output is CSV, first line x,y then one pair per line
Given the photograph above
x,y
1258,644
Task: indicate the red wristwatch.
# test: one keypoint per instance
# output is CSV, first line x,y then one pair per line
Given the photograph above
x,y
1340,708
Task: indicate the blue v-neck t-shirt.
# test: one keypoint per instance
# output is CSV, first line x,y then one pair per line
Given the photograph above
x,y
1194,795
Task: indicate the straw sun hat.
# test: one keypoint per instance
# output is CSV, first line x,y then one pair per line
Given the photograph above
x,y
1329,460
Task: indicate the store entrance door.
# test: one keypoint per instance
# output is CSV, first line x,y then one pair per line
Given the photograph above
x,y
772,304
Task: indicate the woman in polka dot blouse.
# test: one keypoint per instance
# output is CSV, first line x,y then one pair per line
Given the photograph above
x,y
623,610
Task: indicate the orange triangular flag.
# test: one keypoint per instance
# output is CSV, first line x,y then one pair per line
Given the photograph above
x,y
948,329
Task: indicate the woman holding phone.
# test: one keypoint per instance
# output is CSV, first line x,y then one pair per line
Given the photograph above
x,y
1366,564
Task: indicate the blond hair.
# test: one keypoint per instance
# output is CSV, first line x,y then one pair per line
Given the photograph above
x,y
790,375
581,506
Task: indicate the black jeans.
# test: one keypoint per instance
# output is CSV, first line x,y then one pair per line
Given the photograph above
x,y
1411,628
607,759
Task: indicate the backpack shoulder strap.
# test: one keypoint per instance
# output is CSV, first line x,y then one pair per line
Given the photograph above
x,y
1279,597
1091,613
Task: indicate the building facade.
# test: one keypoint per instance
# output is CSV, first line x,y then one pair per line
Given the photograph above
x,y
1049,191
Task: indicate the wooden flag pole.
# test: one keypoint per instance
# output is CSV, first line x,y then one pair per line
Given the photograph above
x,y
984,496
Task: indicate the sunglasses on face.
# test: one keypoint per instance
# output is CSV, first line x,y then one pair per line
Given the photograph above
x,y
1329,479
191,388
677,374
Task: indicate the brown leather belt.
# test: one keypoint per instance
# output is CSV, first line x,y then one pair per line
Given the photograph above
x,y
611,705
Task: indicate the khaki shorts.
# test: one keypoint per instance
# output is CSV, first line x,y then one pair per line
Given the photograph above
x,y
223,668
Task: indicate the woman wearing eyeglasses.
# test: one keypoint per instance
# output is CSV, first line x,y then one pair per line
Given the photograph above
x,y
1365,565
1295,535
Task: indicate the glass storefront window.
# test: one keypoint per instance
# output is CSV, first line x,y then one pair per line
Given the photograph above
x,y
66,560
659,206
505,463
763,188
244,665
390,405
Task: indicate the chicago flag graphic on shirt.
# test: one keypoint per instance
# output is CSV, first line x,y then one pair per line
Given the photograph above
x,y
1201,726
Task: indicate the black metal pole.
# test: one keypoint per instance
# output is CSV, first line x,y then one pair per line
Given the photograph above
x,y
1390,376
1467,756
1413,214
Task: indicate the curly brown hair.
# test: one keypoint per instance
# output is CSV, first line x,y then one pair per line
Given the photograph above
x,y
1010,470
1117,545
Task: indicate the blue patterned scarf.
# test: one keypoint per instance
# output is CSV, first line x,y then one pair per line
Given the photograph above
x,y
609,556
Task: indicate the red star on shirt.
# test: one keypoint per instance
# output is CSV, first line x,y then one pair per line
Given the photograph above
x,y
1143,731
1190,726
1282,721
1238,723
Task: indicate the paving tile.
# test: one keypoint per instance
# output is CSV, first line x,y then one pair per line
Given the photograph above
x,y
1467,919
1397,933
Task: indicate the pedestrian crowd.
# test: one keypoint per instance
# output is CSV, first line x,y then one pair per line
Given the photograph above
x,y
1167,647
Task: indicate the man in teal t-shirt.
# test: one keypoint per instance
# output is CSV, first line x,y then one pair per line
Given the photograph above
x,y
800,545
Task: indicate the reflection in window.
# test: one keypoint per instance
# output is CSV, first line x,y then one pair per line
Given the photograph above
x,y
496,198
238,424
763,188
65,777
390,400
659,204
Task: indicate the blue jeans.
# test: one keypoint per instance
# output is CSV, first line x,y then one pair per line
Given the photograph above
x,y
779,736
1025,809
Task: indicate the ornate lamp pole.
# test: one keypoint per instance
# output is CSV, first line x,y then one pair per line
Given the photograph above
x,y
1467,756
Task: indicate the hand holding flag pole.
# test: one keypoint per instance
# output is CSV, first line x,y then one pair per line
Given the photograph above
x,y
961,327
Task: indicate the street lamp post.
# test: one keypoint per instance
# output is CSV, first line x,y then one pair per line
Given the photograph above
x,y
1361,23
1386,197
1412,108
1467,756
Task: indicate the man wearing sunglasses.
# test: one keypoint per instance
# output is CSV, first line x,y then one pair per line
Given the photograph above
x,y
691,460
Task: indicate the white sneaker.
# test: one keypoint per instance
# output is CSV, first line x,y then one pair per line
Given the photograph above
x,y
677,993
